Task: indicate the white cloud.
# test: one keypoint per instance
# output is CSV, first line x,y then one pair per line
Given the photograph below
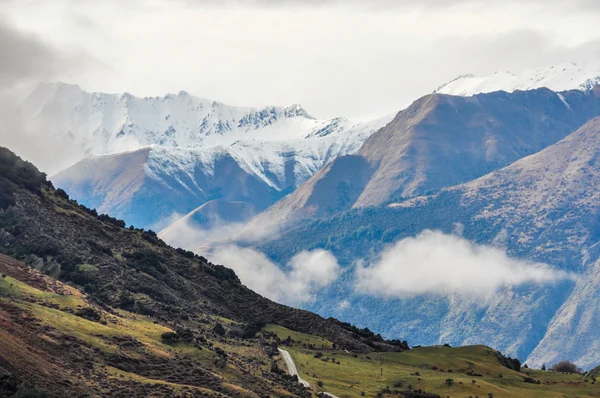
x,y
354,60
440,264
305,274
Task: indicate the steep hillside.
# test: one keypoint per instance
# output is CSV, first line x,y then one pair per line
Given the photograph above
x,y
560,77
57,341
131,268
439,141
543,208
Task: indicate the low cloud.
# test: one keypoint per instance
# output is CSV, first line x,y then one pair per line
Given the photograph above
x,y
298,282
181,231
295,283
440,264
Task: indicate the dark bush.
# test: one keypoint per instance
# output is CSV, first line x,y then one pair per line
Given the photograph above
x,y
111,220
88,313
566,367
511,363
62,194
147,261
185,253
219,329
250,329
223,273
169,337
150,236
185,334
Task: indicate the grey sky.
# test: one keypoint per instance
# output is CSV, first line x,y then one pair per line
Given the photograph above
x,y
353,58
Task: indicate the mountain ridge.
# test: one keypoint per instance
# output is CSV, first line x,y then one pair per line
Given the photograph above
x,y
440,141
564,76
542,208
101,124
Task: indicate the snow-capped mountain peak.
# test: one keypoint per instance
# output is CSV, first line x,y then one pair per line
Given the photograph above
x,y
96,124
564,76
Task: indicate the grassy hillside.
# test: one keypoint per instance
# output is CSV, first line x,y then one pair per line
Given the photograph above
x,y
472,371
130,268
54,340
90,307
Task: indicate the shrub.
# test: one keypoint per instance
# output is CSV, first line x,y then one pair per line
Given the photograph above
x,y
169,337
220,362
219,329
511,363
250,330
62,194
566,367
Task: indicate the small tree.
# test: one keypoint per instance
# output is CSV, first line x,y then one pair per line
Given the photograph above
x,y
566,367
544,366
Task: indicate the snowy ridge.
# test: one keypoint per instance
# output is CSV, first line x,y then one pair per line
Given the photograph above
x,y
97,124
560,77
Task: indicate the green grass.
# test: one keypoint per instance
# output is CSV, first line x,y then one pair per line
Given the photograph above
x,y
302,338
10,287
342,373
87,267
367,373
121,374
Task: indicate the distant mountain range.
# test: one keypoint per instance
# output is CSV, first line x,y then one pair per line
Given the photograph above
x,y
565,76
438,141
543,207
508,160
176,152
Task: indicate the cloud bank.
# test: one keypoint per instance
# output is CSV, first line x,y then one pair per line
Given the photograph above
x,y
296,283
27,60
440,264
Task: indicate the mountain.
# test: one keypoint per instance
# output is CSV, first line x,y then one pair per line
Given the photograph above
x,y
542,208
150,186
560,77
92,124
125,315
130,316
438,141
125,154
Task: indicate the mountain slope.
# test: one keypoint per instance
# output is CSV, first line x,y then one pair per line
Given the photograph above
x,y
542,208
57,233
148,159
57,342
560,77
151,185
139,317
83,124
436,142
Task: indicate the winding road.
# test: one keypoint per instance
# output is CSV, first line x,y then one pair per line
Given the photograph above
x,y
289,362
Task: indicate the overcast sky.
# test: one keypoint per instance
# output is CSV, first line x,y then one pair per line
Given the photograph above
x,y
353,58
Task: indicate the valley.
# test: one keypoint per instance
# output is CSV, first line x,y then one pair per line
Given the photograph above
x,y
299,199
